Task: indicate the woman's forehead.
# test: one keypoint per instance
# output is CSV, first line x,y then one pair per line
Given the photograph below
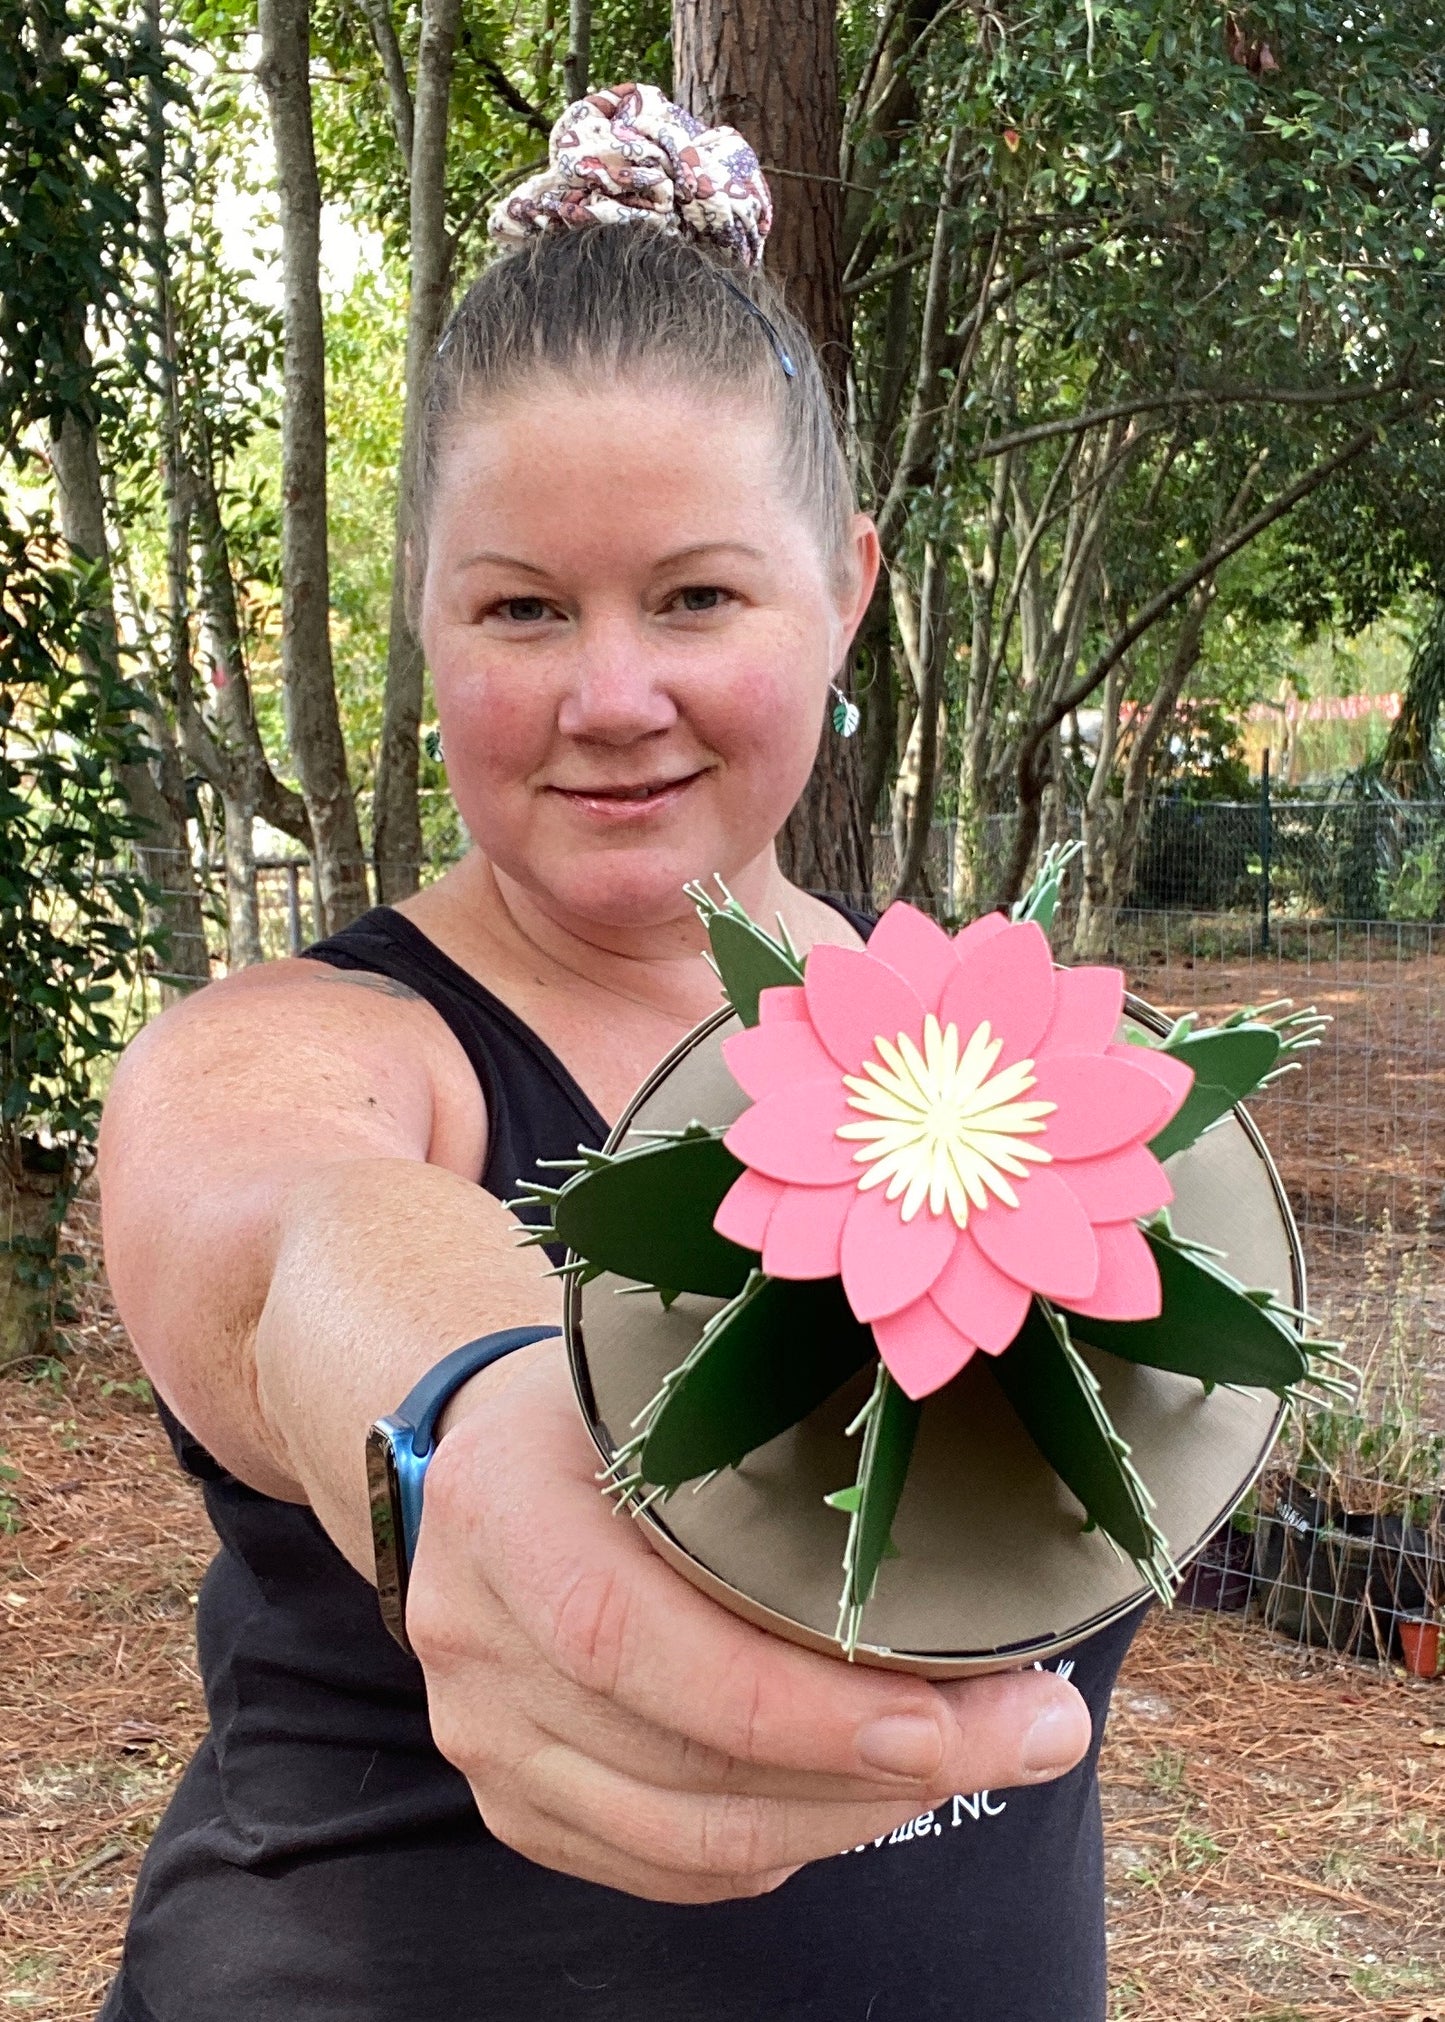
x,y
669,465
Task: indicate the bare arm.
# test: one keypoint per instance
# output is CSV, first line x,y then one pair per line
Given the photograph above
x,y
293,1228
294,1234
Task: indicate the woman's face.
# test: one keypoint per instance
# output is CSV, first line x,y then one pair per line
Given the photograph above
x,y
631,630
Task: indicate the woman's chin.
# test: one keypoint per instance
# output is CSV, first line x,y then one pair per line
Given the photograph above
x,y
624,887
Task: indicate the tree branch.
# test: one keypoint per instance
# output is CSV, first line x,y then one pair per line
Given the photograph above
x,y
1203,396
393,69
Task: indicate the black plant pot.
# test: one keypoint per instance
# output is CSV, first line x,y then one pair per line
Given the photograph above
x,y
1341,1580
1221,1578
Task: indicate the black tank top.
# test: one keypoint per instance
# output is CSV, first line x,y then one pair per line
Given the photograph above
x,y
321,1862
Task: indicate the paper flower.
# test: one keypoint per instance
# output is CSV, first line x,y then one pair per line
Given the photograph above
x,y
950,1126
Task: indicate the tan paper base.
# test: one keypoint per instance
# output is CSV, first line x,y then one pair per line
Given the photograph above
x,y
995,1568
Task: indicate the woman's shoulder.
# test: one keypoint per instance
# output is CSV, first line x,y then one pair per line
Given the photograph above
x,y
814,917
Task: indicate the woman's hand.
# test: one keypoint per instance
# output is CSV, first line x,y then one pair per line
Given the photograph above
x,y
617,1725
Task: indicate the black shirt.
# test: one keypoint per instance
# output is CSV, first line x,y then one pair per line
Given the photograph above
x,y
321,1862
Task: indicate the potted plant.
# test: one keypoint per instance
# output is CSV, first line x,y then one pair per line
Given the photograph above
x,y
1350,1539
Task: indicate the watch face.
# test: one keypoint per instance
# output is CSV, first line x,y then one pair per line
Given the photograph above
x,y
386,1531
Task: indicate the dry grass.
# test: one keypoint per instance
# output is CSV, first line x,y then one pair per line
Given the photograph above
x,y
1276,1822
1276,1832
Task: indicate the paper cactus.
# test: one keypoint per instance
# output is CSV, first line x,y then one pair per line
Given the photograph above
x,y
949,1152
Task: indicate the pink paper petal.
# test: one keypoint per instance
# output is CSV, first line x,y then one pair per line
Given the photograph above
x,y
852,1000
805,1235
968,940
917,947
1100,1104
1088,1004
1010,983
976,1296
1174,1078
783,1001
1128,1287
744,1211
775,1056
1120,1186
887,1263
921,1348
791,1135
1045,1242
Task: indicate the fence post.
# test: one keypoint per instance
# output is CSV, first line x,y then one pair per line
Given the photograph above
x,y
293,909
1266,840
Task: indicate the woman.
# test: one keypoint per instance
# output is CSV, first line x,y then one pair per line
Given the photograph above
x,y
592,1793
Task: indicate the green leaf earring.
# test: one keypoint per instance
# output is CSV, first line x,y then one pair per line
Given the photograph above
x,y
846,715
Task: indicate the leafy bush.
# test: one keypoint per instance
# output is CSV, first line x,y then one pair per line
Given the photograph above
x,y
72,927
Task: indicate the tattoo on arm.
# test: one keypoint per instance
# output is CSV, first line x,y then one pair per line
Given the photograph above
x,y
367,979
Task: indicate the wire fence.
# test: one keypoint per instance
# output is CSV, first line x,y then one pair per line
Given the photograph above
x,y
1270,857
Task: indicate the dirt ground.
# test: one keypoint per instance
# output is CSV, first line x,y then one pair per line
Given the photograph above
x,y
1276,1822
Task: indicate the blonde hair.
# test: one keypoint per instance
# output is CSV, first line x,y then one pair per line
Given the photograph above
x,y
616,301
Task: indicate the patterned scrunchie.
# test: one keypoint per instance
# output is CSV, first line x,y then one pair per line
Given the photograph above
x,y
629,154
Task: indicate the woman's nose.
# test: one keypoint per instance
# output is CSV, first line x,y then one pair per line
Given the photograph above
x,y
618,691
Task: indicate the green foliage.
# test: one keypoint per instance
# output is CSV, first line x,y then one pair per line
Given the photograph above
x,y
72,929
70,80
1417,888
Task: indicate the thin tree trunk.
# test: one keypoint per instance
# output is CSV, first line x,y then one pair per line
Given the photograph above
x,y
773,73
157,796
577,67
396,820
918,777
1408,764
393,69
308,681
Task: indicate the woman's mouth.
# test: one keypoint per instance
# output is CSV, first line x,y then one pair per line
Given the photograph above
x,y
640,800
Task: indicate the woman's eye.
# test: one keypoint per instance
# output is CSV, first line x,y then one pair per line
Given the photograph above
x,y
702,597
522,610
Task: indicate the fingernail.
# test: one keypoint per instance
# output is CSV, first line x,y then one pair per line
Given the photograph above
x,y
1058,1737
903,1744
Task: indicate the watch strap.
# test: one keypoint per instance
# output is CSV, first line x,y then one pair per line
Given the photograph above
x,y
399,1448
425,1401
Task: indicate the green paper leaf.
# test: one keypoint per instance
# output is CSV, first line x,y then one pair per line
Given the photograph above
x,y
890,1426
1211,1327
777,1352
647,1214
749,962
1055,1393
1228,1065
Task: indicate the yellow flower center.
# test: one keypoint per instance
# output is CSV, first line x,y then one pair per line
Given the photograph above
x,y
941,1126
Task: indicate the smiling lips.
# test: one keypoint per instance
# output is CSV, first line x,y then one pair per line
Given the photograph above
x,y
627,797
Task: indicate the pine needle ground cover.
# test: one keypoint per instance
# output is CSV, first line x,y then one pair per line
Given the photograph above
x,y
1276,1820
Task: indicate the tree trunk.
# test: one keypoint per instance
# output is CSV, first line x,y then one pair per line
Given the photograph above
x,y
772,72
396,819
313,719
31,1199
1408,764
156,793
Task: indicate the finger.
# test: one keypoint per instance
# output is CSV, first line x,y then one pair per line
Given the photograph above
x,y
594,1599
555,1843
557,1709
700,1833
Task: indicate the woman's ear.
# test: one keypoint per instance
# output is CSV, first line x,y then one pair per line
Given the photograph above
x,y
858,575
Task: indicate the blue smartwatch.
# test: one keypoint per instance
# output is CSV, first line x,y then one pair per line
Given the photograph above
x,y
398,1452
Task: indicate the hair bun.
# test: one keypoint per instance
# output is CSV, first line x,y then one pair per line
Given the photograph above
x,y
628,154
